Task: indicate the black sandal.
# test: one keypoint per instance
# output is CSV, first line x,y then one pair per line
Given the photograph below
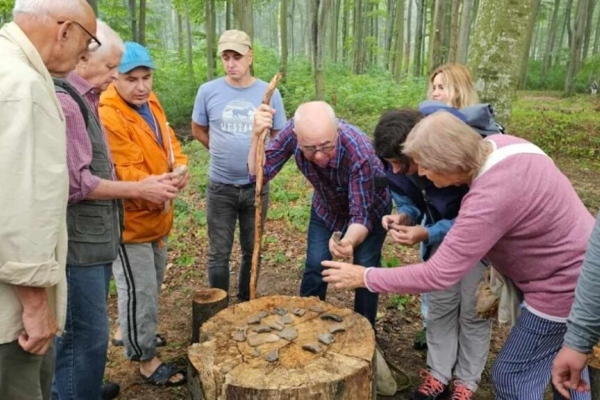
x,y
160,341
163,374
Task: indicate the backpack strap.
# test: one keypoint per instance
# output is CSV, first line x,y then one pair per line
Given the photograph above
x,y
61,84
502,153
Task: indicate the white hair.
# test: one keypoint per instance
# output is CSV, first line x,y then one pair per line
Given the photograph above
x,y
109,39
45,8
299,114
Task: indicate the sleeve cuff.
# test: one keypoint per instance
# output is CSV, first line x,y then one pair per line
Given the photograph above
x,y
366,280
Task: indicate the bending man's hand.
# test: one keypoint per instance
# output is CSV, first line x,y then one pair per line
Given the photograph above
x,y
395,219
408,235
342,275
263,119
566,371
344,249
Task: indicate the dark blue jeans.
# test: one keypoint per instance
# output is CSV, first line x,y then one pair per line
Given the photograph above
x,y
367,254
81,351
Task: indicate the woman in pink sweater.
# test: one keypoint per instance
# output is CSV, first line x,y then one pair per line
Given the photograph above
x,y
522,214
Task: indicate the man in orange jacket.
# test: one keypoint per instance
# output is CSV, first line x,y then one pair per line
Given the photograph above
x,y
142,144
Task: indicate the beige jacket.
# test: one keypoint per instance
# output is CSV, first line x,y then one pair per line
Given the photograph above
x,y
34,183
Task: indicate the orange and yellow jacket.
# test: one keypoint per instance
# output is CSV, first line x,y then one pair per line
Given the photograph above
x,y
137,154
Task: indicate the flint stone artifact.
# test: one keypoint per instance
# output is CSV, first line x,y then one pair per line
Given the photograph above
x,y
288,334
312,347
263,314
299,312
255,319
332,317
278,326
272,356
286,319
271,337
239,335
262,329
337,328
254,339
318,309
326,338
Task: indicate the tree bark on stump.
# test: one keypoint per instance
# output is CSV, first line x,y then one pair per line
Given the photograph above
x,y
595,380
206,303
226,369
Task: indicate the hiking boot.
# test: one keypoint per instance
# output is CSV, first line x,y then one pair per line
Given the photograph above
x,y
431,388
420,342
460,391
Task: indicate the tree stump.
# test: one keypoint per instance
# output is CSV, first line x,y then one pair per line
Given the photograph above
x,y
206,303
594,369
242,355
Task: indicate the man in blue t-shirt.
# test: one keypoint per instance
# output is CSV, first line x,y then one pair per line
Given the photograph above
x,y
222,122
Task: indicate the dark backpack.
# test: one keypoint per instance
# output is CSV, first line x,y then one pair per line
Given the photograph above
x,y
480,117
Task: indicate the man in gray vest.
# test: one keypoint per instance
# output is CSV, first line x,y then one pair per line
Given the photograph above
x,y
94,218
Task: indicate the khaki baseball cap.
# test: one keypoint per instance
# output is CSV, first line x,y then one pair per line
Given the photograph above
x,y
237,41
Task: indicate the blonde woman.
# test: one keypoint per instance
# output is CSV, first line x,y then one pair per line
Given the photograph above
x,y
452,84
523,214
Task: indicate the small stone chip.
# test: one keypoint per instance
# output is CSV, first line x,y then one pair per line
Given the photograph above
x,y
281,311
286,319
312,347
332,317
262,314
288,333
256,352
299,312
255,319
337,328
255,339
239,335
276,325
318,309
272,356
326,338
262,329
271,337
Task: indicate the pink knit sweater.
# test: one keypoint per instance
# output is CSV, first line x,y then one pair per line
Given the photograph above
x,y
526,218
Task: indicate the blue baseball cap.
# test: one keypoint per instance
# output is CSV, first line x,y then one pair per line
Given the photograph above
x,y
135,56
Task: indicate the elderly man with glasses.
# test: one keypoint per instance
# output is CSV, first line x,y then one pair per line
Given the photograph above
x,y
350,190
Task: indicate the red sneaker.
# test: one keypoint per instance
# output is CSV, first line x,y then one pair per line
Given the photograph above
x,y
461,392
431,388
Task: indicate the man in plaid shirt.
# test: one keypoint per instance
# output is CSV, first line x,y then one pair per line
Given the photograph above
x,y
350,190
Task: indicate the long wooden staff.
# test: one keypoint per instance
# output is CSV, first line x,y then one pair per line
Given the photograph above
x,y
260,162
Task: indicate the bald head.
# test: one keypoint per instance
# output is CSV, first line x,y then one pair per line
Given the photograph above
x,y
315,119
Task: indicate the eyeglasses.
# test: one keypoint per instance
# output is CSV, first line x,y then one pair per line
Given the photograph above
x,y
93,43
315,149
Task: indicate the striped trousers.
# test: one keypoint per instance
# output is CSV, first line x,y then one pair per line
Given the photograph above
x,y
524,365
139,272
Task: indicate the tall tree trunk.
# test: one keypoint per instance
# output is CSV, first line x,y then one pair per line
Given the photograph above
x,y
588,29
417,66
389,28
357,26
535,7
228,16
179,35
463,36
453,31
190,55
399,47
133,23
345,28
408,38
500,34
334,35
576,46
283,16
291,30
552,28
142,24
93,3
210,27
243,17
319,10
597,36
435,51
565,22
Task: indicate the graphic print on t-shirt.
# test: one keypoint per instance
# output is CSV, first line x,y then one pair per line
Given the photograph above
x,y
237,117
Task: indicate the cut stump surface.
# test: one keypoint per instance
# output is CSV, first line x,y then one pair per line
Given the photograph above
x,y
226,369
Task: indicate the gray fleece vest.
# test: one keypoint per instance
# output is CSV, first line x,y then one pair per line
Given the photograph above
x,y
94,226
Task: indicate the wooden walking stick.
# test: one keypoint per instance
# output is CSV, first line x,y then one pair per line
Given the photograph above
x,y
260,162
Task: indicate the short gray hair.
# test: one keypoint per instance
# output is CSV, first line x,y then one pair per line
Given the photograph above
x,y
109,38
45,8
299,114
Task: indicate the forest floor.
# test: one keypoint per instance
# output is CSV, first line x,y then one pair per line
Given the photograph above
x,y
283,256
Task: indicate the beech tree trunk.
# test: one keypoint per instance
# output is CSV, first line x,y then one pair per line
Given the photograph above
x,y
576,46
283,19
133,20
463,36
229,364
497,51
399,47
535,5
210,26
552,28
435,52
453,31
142,24
408,38
417,66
